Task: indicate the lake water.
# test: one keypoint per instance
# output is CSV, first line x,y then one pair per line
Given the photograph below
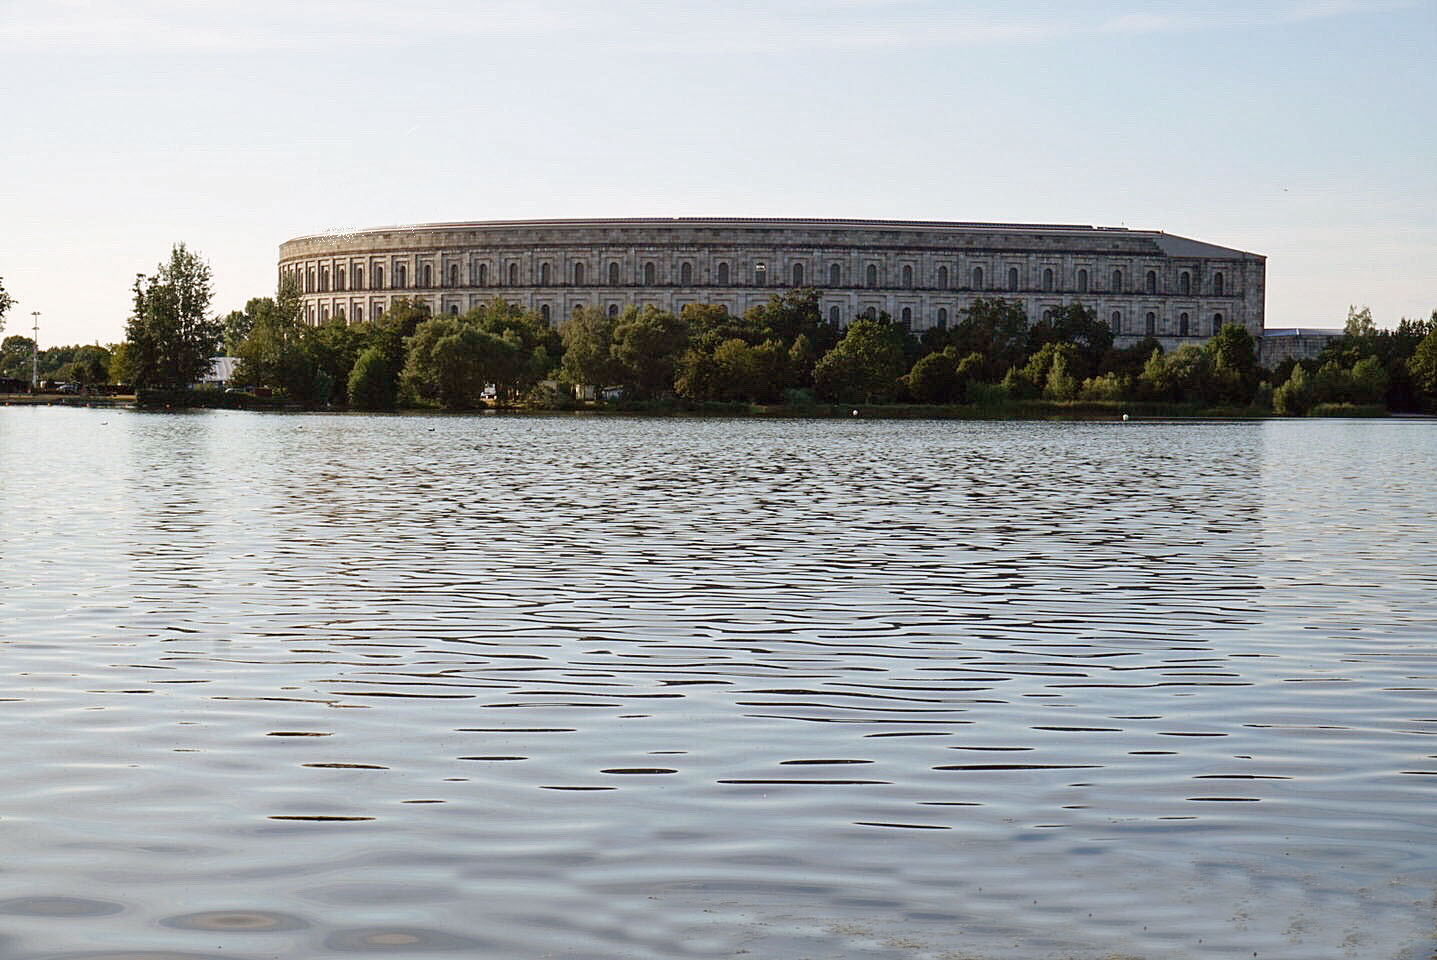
x,y
329,686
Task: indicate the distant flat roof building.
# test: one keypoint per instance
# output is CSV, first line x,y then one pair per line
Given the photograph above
x,y
1294,343
923,274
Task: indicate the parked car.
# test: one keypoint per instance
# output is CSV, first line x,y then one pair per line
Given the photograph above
x,y
69,388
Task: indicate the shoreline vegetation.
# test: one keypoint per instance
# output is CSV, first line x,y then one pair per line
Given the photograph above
x,y
782,358
1036,410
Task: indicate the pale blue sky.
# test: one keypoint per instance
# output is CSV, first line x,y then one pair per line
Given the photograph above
x,y
1301,129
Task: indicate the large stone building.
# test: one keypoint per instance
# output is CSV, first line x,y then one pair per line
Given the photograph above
x,y
1142,282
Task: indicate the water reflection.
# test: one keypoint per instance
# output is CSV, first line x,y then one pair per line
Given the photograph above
x,y
529,686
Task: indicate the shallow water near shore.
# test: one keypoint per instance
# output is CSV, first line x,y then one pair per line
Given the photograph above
x,y
325,686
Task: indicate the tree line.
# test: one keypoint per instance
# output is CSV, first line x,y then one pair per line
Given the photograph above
x,y
780,352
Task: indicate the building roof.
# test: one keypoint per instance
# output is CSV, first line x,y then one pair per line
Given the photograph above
x,y
1302,332
1168,244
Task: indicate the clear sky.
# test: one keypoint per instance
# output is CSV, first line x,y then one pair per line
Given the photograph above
x,y
1305,130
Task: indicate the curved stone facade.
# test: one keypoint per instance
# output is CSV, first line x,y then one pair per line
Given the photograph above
x,y
923,274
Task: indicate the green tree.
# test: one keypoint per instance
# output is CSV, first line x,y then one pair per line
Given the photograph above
x,y
934,378
1293,398
1233,355
121,364
371,382
588,337
1423,365
533,352
451,360
647,345
696,375
237,326
271,353
801,358
1359,322
997,329
15,357
1060,385
1369,381
969,371
171,337
864,365
90,366
1157,382
1079,327
378,385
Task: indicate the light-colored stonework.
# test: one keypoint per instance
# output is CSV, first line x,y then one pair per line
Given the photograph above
x,y
923,274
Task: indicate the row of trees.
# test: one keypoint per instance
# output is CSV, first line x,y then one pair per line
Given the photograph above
x,y
1396,369
782,351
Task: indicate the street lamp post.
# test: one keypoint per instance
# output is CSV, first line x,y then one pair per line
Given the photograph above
x,y
35,353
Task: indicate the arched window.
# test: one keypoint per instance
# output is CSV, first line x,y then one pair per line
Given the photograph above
x,y
1013,278
324,314
1182,324
907,275
428,275
613,273
578,274
1185,283
400,276
513,274
977,278
378,283
454,309
309,281
1117,281
483,274
613,309
1150,323
1216,324
798,274
942,318
1117,322
324,280
378,308
1047,316
1048,279
1152,282
1082,281
651,273
454,275
943,278
1217,284
760,274
358,314
723,274
545,312
907,318
339,279
872,313
686,273
834,316
544,274
835,277
359,278
872,274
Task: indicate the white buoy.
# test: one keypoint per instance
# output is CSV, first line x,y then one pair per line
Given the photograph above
x,y
855,413
1125,418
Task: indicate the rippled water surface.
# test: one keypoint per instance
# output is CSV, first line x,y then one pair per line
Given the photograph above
x,y
323,686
